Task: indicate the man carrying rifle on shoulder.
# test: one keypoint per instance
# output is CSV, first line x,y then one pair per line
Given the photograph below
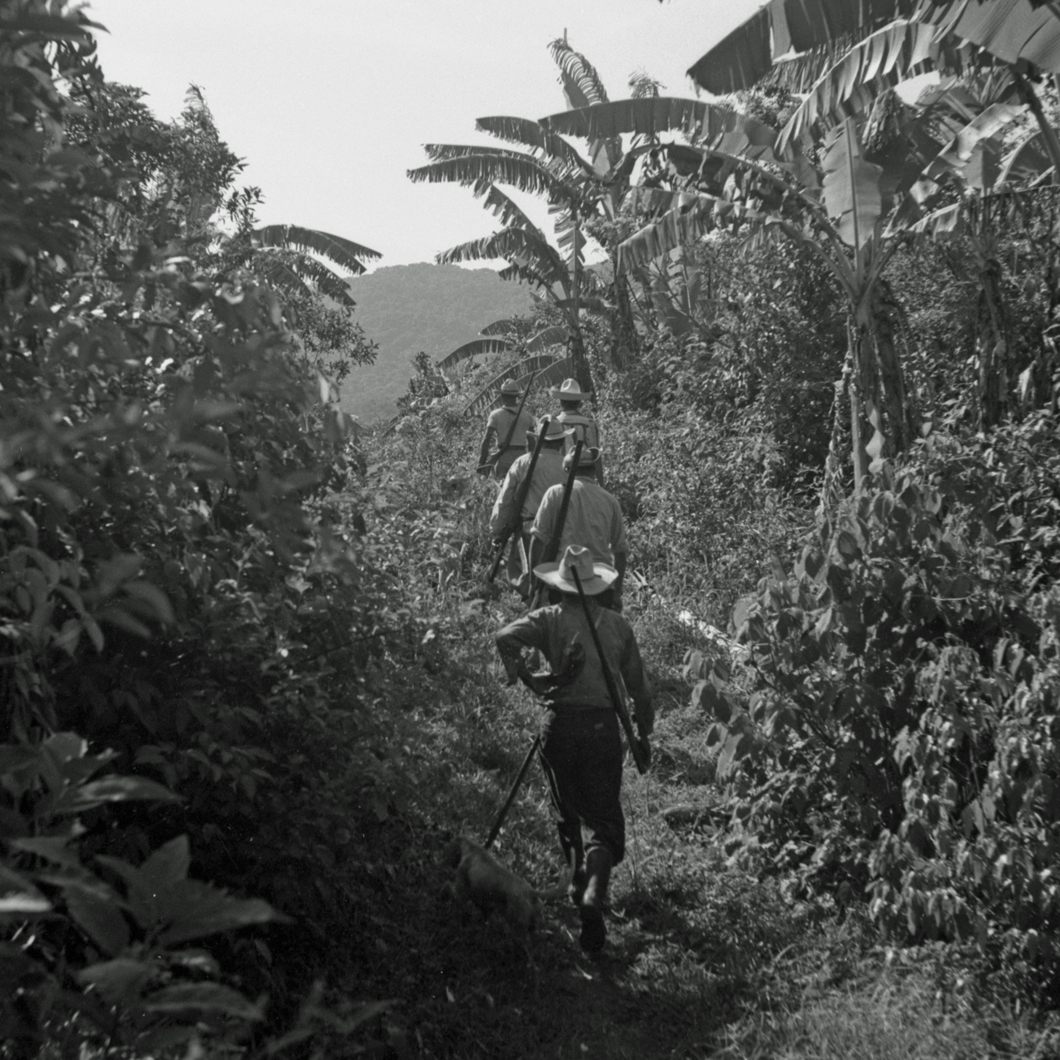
x,y
526,483
592,651
592,518
505,428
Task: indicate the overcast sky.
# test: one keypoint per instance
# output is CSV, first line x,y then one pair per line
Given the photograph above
x,y
329,101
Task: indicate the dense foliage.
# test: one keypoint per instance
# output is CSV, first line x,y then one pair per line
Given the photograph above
x,y
178,583
239,646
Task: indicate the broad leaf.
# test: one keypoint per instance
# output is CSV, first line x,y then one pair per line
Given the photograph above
x,y
639,117
1012,30
851,187
475,348
969,141
747,53
101,919
549,336
202,997
849,86
107,790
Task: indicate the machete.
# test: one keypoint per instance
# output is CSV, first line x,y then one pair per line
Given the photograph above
x,y
552,548
641,751
516,523
483,469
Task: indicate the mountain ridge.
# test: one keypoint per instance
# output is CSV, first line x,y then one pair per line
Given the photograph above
x,y
409,308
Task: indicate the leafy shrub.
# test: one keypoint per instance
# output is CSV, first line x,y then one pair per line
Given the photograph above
x,y
96,950
893,725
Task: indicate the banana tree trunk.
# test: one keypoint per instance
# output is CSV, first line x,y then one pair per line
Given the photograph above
x,y
623,330
582,371
881,412
886,325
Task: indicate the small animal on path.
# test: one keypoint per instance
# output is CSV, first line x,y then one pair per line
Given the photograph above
x,y
481,879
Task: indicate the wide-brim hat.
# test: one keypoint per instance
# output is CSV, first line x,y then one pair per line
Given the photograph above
x,y
589,455
569,390
594,577
510,388
553,433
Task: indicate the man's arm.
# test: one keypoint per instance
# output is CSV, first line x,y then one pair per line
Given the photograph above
x,y
487,445
504,506
638,686
513,638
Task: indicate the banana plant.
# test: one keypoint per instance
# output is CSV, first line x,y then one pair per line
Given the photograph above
x,y
839,208
1020,34
580,186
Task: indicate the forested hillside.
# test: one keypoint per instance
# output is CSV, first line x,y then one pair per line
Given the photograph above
x,y
411,308
250,687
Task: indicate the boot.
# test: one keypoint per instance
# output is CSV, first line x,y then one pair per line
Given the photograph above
x,y
598,864
576,887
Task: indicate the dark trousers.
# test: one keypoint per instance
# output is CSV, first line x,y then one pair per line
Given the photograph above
x,y
582,754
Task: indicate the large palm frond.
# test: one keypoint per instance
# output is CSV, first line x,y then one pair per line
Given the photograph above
x,y
648,117
523,248
481,167
581,83
886,57
1011,30
475,348
746,55
582,87
521,372
534,135
342,252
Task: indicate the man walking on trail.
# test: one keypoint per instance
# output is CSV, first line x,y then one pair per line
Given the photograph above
x,y
581,742
594,520
506,428
548,471
585,428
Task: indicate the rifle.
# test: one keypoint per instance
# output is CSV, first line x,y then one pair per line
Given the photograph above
x,y
511,793
552,548
641,751
483,469
520,499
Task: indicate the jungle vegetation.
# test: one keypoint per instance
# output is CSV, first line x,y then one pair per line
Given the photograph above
x,y
246,671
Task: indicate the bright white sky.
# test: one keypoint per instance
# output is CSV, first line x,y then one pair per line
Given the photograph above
x,y
329,101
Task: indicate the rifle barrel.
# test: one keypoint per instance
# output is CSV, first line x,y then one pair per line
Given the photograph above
x,y
520,499
612,685
552,548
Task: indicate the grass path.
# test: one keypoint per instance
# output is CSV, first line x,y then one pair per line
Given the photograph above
x,y
703,959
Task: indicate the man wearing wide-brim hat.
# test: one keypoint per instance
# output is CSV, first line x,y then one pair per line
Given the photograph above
x,y
594,519
581,741
548,471
585,428
505,428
